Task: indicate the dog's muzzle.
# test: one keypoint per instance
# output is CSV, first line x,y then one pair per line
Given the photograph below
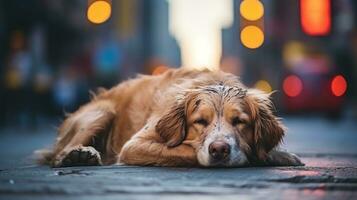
x,y
219,151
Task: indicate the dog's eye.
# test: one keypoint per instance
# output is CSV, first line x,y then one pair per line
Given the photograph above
x,y
236,121
201,122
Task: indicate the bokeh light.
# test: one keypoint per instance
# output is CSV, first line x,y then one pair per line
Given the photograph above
x,y
99,12
251,9
263,85
252,37
197,27
315,16
294,52
292,86
338,85
159,70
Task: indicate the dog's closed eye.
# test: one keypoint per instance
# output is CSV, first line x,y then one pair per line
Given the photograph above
x,y
201,121
236,121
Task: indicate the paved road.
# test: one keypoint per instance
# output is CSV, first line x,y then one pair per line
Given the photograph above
x,y
328,148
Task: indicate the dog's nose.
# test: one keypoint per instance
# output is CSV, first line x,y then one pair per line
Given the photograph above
x,y
219,150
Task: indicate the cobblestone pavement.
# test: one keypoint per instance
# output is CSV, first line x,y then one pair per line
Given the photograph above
x,y
328,148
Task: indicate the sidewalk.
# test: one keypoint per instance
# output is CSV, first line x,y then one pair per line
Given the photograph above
x,y
328,149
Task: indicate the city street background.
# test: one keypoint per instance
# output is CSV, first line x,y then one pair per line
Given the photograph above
x,y
52,53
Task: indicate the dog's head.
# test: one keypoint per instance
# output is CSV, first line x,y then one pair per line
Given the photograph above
x,y
227,124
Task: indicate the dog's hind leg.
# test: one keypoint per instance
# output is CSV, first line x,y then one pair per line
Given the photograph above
x,y
82,134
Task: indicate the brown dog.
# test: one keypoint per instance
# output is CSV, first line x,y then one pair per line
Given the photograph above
x,y
180,118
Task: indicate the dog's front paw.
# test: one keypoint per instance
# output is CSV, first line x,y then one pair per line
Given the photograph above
x,y
282,158
80,156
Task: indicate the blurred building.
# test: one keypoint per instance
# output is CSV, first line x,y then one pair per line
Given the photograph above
x,y
51,55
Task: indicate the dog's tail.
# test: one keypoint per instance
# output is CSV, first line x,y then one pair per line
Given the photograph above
x,y
44,156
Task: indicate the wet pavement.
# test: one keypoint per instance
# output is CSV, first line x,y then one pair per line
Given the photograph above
x,y
328,149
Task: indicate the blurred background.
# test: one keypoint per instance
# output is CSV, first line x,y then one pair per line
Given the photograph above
x,y
53,52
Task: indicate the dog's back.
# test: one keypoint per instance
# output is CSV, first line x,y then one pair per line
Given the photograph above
x,y
124,108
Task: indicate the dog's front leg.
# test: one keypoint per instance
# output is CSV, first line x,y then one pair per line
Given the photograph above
x,y
146,150
282,158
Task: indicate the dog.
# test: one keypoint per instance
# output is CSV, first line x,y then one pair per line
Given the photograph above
x,y
181,118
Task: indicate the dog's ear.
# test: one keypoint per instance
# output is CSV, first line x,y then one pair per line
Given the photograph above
x,y
268,130
172,126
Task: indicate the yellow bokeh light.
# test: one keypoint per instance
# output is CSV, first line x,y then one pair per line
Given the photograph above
x,y
263,86
99,12
251,9
293,53
252,37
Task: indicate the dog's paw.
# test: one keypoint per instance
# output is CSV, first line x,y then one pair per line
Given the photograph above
x,y
80,156
282,158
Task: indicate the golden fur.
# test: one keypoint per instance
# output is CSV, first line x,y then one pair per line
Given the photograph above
x,y
166,120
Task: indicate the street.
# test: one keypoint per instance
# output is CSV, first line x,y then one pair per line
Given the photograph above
x,y
327,148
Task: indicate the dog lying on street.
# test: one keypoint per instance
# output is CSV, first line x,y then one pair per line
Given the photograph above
x,y
181,118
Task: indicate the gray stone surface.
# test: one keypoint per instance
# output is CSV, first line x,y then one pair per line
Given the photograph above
x,y
327,147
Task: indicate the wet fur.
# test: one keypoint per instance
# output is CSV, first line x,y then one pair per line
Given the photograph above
x,y
144,121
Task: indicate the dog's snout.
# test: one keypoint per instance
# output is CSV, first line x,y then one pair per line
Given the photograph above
x,y
219,150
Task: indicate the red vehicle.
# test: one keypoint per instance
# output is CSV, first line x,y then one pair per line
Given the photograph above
x,y
313,84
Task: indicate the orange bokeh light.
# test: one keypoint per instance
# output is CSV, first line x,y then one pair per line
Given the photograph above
x,y
99,11
252,37
251,9
160,70
315,17
338,85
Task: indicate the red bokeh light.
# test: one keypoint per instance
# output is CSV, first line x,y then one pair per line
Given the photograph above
x,y
315,17
338,85
292,86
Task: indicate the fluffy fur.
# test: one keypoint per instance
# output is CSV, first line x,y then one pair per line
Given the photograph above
x,y
171,120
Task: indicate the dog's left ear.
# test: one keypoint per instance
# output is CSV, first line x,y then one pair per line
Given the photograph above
x,y
172,126
268,130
